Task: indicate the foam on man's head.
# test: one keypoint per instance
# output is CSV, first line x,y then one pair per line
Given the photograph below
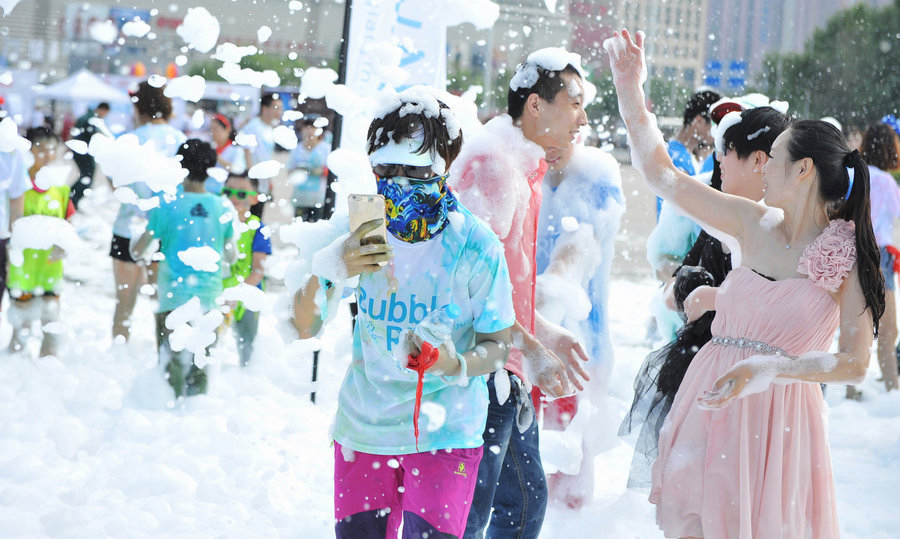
x,y
548,59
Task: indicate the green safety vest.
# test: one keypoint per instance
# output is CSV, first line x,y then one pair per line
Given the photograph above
x,y
37,274
243,266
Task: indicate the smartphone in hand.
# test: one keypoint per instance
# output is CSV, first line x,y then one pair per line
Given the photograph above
x,y
364,208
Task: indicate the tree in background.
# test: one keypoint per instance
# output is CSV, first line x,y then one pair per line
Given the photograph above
x,y
850,69
289,71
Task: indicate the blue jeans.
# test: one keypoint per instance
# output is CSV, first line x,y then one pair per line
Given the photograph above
x,y
510,481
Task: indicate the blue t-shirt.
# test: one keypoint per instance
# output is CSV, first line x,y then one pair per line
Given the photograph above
x,y
191,220
464,265
682,157
708,164
261,244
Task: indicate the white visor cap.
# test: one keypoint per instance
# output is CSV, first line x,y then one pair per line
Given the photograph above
x,y
406,152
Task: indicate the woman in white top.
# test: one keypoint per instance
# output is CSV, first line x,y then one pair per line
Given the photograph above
x,y
152,112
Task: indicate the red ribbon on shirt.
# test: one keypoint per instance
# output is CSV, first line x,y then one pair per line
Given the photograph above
x,y
893,251
427,357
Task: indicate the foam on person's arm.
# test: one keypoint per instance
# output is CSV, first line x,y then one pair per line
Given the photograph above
x,y
319,245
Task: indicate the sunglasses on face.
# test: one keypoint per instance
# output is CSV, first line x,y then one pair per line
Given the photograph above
x,y
406,181
416,173
240,194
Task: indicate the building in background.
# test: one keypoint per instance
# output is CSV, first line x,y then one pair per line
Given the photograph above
x,y
743,32
692,42
678,30
488,58
54,36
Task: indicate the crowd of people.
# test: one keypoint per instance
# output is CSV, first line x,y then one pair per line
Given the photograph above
x,y
221,211
484,293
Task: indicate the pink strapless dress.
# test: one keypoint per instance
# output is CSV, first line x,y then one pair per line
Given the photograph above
x,y
760,468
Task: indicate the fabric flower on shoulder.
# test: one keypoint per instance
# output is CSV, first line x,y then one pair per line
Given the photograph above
x,y
830,257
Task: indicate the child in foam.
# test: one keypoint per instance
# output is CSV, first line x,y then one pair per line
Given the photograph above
x,y
743,453
194,239
34,284
253,246
440,257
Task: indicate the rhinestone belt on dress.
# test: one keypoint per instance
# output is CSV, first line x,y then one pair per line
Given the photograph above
x,y
759,346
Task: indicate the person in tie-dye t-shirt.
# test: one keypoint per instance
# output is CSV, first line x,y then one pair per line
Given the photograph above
x,y
438,256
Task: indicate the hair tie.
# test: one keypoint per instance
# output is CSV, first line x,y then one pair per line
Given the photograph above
x,y
850,161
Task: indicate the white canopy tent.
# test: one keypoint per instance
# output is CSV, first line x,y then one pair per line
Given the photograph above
x,y
83,87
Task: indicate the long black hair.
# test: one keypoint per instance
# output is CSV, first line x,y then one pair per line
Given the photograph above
x,y
824,144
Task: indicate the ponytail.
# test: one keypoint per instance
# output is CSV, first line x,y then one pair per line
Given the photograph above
x,y
844,186
857,208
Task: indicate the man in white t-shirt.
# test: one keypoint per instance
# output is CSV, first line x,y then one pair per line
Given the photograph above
x,y
262,129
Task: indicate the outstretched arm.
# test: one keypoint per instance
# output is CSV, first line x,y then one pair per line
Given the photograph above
x,y
720,211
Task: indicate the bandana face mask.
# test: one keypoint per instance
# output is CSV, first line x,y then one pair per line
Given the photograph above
x,y
415,209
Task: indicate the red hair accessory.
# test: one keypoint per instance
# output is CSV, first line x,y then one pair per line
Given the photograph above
x,y
720,108
223,120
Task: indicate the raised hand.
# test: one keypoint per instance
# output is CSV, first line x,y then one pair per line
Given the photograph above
x,y
626,59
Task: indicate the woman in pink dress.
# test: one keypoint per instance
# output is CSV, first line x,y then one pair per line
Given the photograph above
x,y
743,453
